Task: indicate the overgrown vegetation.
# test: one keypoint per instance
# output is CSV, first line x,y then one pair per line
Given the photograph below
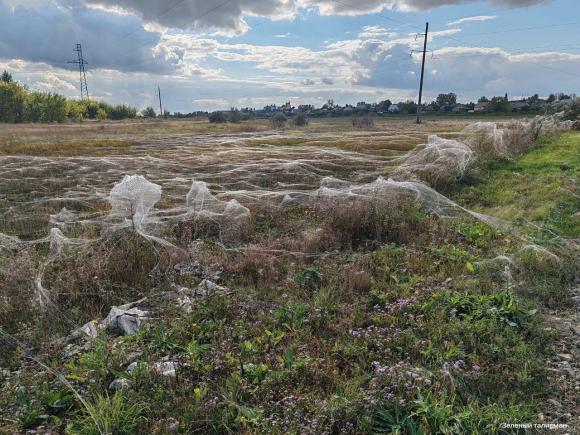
x,y
392,320
18,104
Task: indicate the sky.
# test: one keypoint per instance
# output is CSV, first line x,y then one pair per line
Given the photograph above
x,y
217,54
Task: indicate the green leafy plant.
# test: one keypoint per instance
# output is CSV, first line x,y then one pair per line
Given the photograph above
x,y
109,415
309,277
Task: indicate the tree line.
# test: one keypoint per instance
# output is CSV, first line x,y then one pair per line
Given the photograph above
x,y
19,104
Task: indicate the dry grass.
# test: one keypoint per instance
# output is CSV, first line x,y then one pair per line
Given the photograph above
x,y
396,143
65,149
17,303
111,271
398,133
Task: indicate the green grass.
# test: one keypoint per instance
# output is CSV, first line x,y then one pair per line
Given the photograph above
x,y
540,187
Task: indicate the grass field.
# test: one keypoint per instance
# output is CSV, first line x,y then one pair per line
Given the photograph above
x,y
334,314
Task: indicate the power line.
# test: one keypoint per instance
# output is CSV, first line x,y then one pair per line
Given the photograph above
x,y
535,63
340,2
519,29
171,8
196,18
451,37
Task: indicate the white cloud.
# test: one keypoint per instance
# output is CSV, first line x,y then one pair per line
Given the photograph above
x,y
361,7
198,71
48,34
375,32
210,104
474,18
227,17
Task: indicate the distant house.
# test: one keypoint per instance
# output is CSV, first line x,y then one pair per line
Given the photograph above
x,y
460,108
393,108
481,107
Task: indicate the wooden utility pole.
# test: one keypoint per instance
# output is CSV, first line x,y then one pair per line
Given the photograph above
x,y
422,74
160,106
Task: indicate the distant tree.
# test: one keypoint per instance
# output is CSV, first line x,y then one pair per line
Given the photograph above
x,y
101,114
408,107
34,107
234,116
500,104
47,107
148,112
551,98
12,102
301,120
75,110
449,99
384,105
122,111
6,77
217,117
278,120
55,108
91,108
483,99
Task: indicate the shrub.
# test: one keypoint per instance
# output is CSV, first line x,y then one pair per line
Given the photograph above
x,y
235,116
75,110
17,301
101,114
122,111
364,121
278,120
359,221
105,273
217,118
570,109
301,120
309,278
148,112
91,109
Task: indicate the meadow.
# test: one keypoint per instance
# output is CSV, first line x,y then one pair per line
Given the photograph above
x,y
322,279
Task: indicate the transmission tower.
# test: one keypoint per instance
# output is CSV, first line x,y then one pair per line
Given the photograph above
x,y
82,76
